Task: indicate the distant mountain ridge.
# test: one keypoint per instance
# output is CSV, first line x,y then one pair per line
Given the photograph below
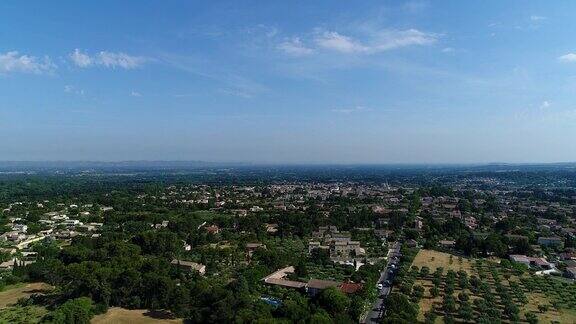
x,y
112,164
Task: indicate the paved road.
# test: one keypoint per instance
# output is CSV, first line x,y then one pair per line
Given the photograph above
x,y
377,308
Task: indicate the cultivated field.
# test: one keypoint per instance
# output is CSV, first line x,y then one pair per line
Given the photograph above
x,y
116,315
434,259
465,290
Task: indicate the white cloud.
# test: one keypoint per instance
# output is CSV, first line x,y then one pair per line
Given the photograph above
x,y
107,59
340,43
295,47
121,60
570,57
81,59
376,41
392,39
545,104
14,62
135,94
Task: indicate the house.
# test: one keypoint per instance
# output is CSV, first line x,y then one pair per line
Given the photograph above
x,y
516,237
339,244
20,228
271,228
570,273
189,266
256,209
71,222
314,286
7,265
447,244
350,287
251,247
531,261
411,243
551,241
13,236
213,229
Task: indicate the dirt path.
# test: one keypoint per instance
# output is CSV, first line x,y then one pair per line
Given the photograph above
x,y
116,315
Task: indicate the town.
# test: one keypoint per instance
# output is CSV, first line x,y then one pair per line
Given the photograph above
x,y
417,246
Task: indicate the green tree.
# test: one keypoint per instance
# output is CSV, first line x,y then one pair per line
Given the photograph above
x,y
430,317
77,311
333,301
399,307
531,318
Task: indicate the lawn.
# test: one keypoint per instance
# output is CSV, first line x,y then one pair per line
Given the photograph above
x,y
116,315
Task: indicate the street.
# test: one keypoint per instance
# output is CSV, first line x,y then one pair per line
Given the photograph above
x,y
377,308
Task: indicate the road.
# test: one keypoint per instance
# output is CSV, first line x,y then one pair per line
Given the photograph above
x,y
377,308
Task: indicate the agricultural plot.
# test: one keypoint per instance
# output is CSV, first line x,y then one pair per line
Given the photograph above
x,y
452,289
434,259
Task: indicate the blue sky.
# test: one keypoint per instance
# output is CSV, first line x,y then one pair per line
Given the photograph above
x,y
288,81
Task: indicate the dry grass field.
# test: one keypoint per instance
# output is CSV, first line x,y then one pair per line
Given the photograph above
x,y
434,259
11,295
116,315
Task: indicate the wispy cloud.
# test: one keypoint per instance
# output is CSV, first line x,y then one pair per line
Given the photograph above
x,y
415,6
537,18
368,41
340,43
236,93
14,62
107,59
73,89
570,57
545,104
135,94
295,47
351,110
231,81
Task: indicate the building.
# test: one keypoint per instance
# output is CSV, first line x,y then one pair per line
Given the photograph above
x,y
447,244
531,262
190,266
314,286
251,247
551,241
213,229
339,244
570,273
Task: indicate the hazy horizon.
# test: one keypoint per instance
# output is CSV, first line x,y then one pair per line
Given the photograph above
x,y
299,82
